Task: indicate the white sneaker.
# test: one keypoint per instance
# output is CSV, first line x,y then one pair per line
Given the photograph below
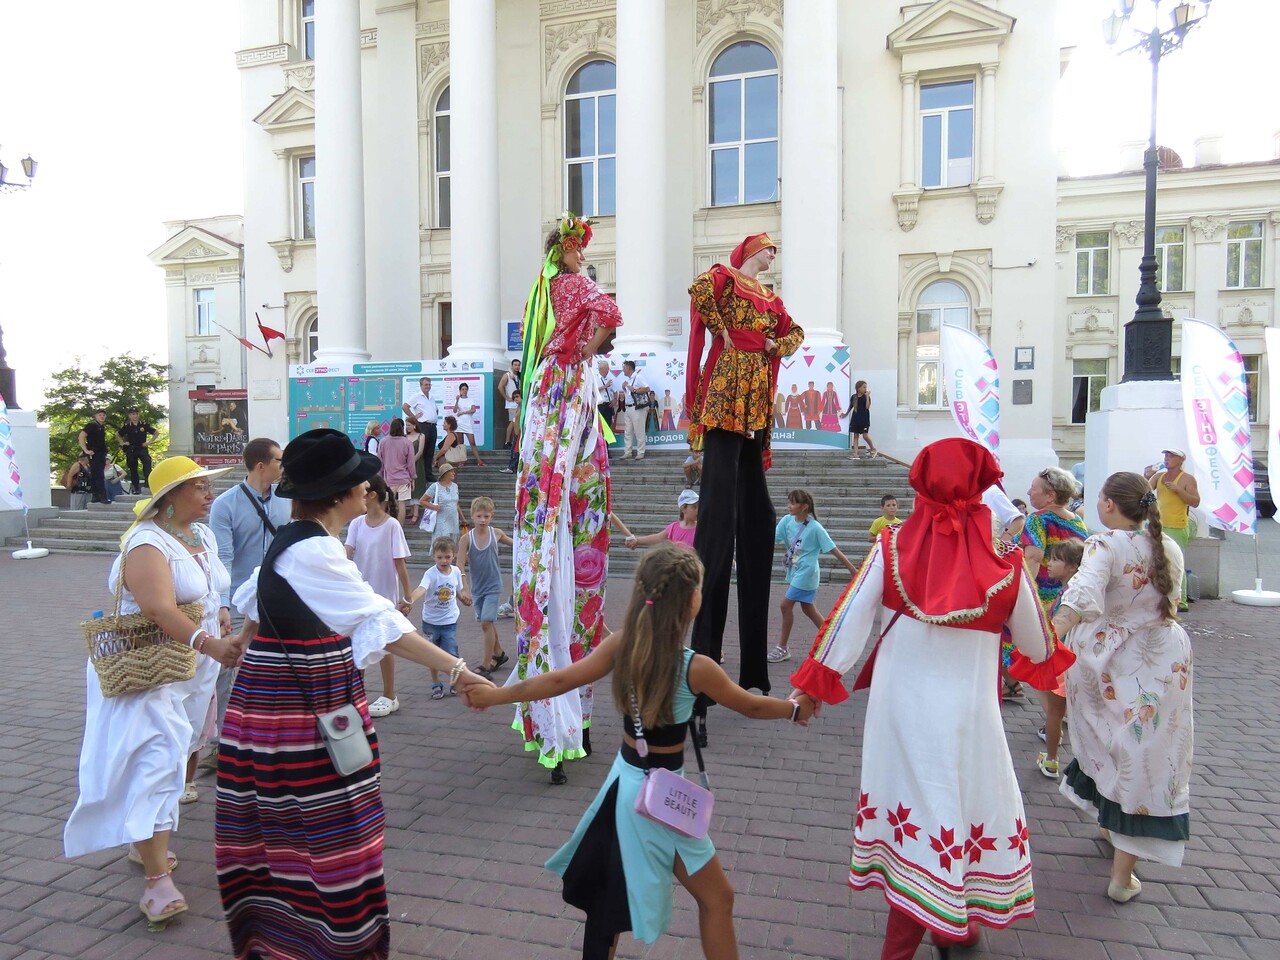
x,y
778,654
383,707
506,611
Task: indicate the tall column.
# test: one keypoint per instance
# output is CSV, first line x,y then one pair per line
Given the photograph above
x,y
907,163
340,253
987,145
473,164
811,169
642,174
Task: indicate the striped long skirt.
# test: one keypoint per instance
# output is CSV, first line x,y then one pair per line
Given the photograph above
x,y
298,845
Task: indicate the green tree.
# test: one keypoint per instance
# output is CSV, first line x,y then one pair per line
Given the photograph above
x,y
120,384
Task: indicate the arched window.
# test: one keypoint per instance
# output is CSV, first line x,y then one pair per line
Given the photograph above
x,y
441,119
940,302
312,339
590,147
742,125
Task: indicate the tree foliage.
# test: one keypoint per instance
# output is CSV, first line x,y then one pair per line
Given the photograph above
x,y
119,384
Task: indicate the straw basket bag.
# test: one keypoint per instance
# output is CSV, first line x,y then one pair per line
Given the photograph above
x,y
131,654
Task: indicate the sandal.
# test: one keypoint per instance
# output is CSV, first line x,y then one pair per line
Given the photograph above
x,y
1012,690
162,894
437,691
190,794
133,856
498,661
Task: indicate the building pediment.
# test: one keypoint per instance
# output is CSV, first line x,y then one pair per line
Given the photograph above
x,y
292,110
951,23
194,245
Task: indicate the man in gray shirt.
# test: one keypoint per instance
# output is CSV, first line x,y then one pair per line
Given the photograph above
x,y
244,521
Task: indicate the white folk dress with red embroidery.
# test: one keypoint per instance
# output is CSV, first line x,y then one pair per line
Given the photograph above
x,y
940,825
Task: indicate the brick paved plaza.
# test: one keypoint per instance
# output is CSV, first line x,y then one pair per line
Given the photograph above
x,y
470,819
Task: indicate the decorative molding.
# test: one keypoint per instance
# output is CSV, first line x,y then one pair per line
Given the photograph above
x,y
1064,236
556,8
284,250
908,202
1275,218
1207,228
1090,322
711,13
202,278
550,109
1130,232
985,196
257,56
199,251
432,28
201,354
300,75
1245,313
176,277
951,23
293,109
560,39
369,37
430,56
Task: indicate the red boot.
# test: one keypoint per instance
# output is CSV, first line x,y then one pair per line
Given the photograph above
x,y
902,936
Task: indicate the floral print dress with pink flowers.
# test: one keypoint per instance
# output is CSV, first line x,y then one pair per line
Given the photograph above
x,y
561,554
1129,698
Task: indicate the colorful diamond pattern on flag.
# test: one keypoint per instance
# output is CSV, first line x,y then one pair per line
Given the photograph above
x,y
10,477
973,385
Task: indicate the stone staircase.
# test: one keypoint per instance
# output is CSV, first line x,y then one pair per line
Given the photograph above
x,y
644,494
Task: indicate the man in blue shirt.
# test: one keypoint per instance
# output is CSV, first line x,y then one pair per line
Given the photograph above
x,y
244,521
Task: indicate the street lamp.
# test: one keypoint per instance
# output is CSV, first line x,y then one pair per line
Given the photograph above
x,y
8,378
28,169
1148,337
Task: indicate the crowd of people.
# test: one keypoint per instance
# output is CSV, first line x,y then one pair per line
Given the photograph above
x,y
298,582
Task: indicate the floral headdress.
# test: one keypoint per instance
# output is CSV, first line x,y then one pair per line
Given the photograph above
x,y
575,234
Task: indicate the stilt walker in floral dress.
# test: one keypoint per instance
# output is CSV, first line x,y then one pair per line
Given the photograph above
x,y
730,402
940,826
561,556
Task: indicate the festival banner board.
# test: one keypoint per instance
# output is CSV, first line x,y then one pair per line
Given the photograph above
x,y
10,477
1273,420
219,426
348,397
973,385
812,390
1215,403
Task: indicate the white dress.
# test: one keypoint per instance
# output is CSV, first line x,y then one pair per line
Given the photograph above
x,y
940,825
134,756
465,424
1129,699
447,523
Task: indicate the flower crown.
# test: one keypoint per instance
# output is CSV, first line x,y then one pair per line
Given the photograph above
x,y
575,232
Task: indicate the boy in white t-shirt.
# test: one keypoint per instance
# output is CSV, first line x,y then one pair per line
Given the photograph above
x,y
440,588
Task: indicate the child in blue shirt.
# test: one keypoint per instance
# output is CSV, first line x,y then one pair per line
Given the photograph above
x,y
805,539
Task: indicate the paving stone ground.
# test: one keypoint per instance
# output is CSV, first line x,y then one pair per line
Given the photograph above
x,y
470,819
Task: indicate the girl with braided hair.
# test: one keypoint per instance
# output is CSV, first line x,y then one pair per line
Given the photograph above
x,y
1129,692
618,865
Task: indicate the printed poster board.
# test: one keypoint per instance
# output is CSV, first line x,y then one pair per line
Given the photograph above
x,y
219,426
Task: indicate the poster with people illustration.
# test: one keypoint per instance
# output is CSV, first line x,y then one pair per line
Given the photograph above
x,y
219,426
812,391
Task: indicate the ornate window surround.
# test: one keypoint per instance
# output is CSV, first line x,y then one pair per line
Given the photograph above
x,y
433,64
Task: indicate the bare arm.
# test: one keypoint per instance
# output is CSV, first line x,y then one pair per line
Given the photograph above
x,y
149,579
589,669
651,538
402,573
81,440
616,521
845,560
502,537
1187,489
708,677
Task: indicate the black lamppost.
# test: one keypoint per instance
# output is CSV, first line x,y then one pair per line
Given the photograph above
x,y
8,380
1148,337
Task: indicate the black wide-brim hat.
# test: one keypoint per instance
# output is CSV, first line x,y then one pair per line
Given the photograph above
x,y
323,463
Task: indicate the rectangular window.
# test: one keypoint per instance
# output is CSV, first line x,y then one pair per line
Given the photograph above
x,y
928,358
946,134
1093,263
306,198
1088,377
1251,365
1171,256
309,29
204,312
446,327
1244,254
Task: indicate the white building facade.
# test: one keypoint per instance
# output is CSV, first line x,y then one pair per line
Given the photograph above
x,y
404,161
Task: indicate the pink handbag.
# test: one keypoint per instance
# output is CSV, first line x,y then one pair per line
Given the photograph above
x,y
669,799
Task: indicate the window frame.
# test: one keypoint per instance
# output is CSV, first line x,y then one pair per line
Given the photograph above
x,y
204,319
442,215
311,338
1245,244
1162,259
1091,259
942,401
444,312
307,38
1088,379
595,159
944,114
301,183
1253,383
743,141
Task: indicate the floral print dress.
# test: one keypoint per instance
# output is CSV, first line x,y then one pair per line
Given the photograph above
x,y
1129,699
562,520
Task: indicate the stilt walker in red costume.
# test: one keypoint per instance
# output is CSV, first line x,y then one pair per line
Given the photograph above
x,y
940,826
729,399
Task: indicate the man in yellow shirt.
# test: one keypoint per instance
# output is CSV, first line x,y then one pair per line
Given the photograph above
x,y
1176,493
889,509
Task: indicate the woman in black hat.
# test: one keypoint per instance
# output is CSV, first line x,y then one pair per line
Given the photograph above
x,y
299,844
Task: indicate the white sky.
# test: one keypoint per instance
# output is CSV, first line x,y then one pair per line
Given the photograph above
x,y
133,114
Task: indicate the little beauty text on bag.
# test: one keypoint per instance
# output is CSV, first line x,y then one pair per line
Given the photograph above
x,y
669,799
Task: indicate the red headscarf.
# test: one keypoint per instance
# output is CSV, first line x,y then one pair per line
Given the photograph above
x,y
748,248
942,565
